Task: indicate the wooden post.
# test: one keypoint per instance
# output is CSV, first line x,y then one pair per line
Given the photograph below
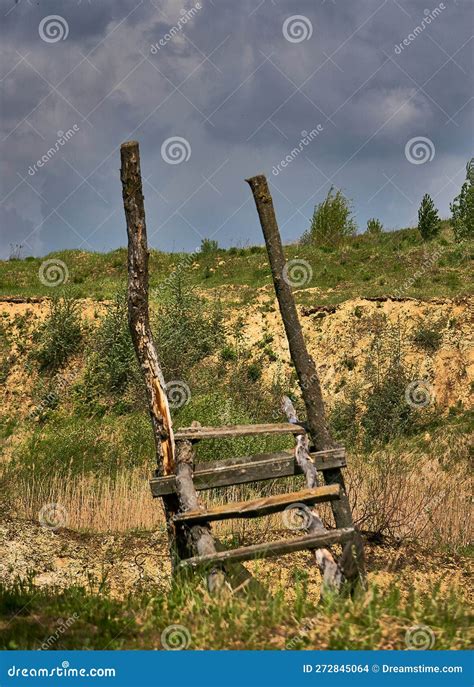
x,y
138,315
200,537
139,323
304,363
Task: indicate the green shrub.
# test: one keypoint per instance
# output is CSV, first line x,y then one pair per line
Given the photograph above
x,y
332,221
374,227
60,335
228,353
462,207
387,414
187,328
428,336
114,360
429,224
209,246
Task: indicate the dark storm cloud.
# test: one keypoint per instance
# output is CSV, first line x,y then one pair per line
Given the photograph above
x,y
229,82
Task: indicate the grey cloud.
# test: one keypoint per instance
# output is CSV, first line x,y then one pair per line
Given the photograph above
x,y
240,110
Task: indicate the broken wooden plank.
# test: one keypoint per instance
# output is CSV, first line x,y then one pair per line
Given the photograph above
x,y
259,507
258,468
270,549
232,431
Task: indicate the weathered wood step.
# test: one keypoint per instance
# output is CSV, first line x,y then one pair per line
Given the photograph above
x,y
259,507
276,548
257,468
232,431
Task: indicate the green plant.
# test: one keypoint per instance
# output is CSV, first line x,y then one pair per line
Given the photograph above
x,y
374,227
228,353
332,220
60,335
254,371
428,336
429,223
462,207
209,246
112,365
187,328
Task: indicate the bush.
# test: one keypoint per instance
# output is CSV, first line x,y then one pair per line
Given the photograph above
x,y
429,224
428,337
188,329
112,366
59,336
387,414
374,227
332,220
209,246
462,207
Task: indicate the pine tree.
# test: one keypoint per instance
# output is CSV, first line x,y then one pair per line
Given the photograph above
x,y
462,207
374,227
429,223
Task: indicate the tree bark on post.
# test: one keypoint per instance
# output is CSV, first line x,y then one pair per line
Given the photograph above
x,y
139,323
138,314
200,537
304,363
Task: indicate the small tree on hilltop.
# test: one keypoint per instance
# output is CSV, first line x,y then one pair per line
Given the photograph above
x,y
374,227
429,222
462,207
332,220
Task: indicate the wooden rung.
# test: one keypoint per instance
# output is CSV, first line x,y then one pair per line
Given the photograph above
x,y
257,468
276,548
232,431
259,507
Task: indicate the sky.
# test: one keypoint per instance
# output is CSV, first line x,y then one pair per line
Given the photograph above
x,y
371,96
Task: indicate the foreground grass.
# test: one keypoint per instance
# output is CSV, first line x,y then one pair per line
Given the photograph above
x,y
78,619
364,266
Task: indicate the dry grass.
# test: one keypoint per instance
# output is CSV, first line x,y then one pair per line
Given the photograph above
x,y
396,497
95,504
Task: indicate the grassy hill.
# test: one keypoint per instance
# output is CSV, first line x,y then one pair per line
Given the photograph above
x,y
362,266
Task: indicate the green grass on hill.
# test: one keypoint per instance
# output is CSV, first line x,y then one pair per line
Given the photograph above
x,y
363,266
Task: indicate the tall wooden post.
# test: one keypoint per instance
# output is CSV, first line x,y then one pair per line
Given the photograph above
x,y
138,315
139,323
304,363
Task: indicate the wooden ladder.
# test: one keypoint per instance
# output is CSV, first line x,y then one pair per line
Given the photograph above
x,y
191,522
178,479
